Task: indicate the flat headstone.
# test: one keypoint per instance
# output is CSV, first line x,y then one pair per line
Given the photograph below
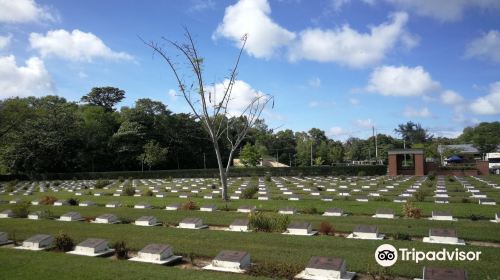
x,y
191,223
239,225
38,242
70,216
146,221
435,273
106,219
333,212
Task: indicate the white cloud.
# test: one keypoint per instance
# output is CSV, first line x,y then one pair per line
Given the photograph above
x,y
444,10
336,131
486,47
449,97
31,79
173,94
20,11
410,112
74,46
252,17
337,4
364,123
315,82
354,101
82,75
201,5
349,47
401,81
242,95
5,41
314,104
489,104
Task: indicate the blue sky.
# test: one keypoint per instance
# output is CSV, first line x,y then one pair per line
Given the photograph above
x,y
339,65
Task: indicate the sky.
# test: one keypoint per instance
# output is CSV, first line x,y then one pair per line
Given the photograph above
x,y
343,66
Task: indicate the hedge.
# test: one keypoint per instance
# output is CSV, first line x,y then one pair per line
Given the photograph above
x,y
368,170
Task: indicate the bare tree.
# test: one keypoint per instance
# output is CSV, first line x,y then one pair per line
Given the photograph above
x,y
213,108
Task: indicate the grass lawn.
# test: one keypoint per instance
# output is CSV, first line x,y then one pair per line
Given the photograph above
x,y
468,230
18,264
263,247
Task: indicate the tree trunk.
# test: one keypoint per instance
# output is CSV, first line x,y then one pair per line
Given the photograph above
x,y
222,172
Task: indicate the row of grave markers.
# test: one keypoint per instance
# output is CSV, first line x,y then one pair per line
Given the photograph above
x,y
318,267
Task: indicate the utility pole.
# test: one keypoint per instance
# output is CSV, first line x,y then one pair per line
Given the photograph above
x,y
204,161
404,148
311,153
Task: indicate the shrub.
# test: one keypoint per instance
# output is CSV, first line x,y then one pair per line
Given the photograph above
x,y
249,193
121,179
73,201
409,211
190,205
47,200
63,242
310,210
431,176
318,188
342,177
121,250
21,209
57,183
275,270
465,200
213,186
129,190
267,222
148,193
402,236
420,195
450,179
361,173
267,178
99,184
474,217
326,228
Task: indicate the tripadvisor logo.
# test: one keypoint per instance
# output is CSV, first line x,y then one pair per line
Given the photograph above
x,y
387,255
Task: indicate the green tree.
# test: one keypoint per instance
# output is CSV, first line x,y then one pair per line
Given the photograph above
x,y
13,112
153,155
106,97
413,133
250,155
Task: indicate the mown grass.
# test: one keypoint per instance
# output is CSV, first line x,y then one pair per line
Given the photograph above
x,y
468,230
18,264
263,247
459,210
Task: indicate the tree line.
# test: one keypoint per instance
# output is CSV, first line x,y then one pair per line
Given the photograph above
x,y
50,135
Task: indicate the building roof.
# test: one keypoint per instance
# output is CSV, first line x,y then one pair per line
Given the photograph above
x,y
460,148
406,151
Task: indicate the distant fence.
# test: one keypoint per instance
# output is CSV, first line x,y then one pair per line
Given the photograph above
x,y
368,170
